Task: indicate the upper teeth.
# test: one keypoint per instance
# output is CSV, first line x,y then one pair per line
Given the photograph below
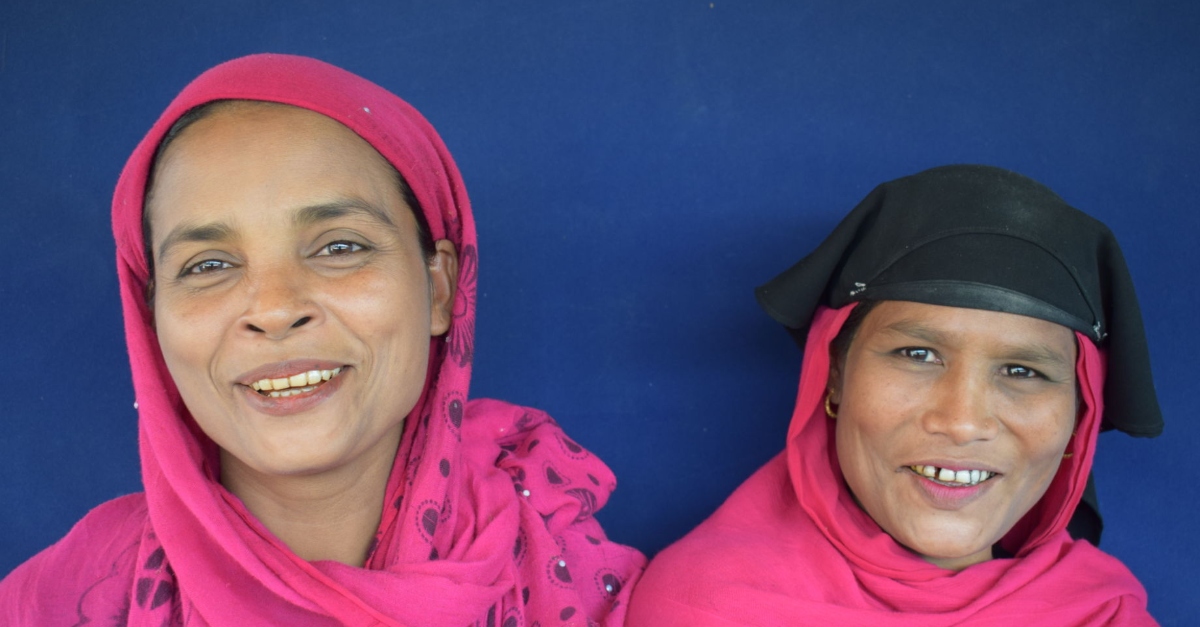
x,y
945,475
295,384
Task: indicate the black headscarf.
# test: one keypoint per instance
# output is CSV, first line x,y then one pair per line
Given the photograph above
x,y
985,238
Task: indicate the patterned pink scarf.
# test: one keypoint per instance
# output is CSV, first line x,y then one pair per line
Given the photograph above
x,y
790,546
487,514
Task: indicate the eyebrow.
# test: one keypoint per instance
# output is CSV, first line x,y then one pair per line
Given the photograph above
x,y
307,216
1035,353
212,232
314,214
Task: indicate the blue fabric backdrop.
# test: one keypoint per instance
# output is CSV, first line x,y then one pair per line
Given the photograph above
x,y
636,168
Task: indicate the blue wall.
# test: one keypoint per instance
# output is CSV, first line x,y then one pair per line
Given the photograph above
x,y
636,168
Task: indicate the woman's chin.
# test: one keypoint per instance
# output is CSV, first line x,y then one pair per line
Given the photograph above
x,y
297,462
950,548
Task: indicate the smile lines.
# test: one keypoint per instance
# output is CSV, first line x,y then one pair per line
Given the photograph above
x,y
295,384
955,477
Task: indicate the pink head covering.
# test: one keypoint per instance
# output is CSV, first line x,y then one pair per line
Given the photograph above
x,y
791,544
480,525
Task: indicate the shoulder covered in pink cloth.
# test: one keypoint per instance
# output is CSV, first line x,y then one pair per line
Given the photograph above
x,y
734,570
97,558
511,454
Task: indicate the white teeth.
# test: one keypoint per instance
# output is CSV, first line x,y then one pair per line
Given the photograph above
x,y
295,384
292,391
945,475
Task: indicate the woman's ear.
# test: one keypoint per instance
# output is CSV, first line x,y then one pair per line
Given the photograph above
x,y
443,281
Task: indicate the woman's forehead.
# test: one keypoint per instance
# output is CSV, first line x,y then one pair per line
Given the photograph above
x,y
248,155
249,132
257,118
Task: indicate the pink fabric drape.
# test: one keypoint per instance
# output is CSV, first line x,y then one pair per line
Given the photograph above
x,y
487,515
790,546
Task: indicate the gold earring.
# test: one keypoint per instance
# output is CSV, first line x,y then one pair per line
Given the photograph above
x,y
829,410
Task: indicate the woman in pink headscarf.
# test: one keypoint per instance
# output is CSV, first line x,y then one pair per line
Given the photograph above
x,y
297,261
966,336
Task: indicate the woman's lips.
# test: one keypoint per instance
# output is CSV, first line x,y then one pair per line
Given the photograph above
x,y
283,387
951,494
291,387
285,369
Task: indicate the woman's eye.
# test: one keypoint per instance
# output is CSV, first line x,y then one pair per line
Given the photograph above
x,y
208,265
340,247
923,355
1020,372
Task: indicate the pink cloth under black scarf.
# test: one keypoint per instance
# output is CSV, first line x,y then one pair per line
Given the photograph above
x,y
488,513
791,547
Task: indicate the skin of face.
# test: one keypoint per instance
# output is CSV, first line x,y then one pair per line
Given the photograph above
x,y
282,243
952,388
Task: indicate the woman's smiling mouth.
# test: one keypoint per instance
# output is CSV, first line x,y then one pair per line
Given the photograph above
x,y
953,478
298,383
293,386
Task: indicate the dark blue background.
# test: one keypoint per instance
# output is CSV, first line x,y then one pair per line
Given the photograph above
x,y
636,168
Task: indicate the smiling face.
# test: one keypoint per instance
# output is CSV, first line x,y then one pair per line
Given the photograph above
x,y
293,304
983,401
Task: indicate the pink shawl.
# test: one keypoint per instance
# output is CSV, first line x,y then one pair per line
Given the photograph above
x,y
488,513
791,547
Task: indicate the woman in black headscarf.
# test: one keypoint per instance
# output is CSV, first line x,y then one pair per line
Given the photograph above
x,y
957,328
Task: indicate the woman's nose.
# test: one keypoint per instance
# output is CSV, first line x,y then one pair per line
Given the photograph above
x,y
278,304
960,409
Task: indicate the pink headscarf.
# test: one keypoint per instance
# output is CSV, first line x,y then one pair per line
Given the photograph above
x,y
790,546
487,515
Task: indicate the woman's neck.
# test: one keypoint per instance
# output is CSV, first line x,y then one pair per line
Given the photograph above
x,y
332,515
